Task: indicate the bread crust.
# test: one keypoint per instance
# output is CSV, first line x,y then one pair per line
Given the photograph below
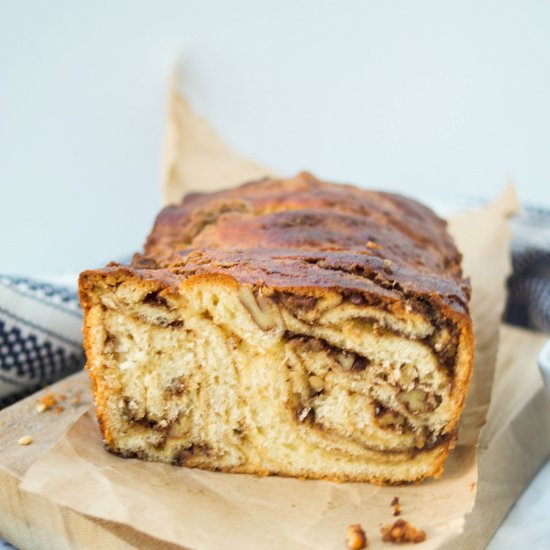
x,y
302,232
308,238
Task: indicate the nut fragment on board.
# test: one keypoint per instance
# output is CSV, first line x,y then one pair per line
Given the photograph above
x,y
356,538
402,531
49,401
25,440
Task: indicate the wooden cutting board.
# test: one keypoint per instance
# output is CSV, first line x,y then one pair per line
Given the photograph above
x,y
31,521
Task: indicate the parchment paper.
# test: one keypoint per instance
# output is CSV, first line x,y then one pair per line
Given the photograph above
x,y
199,509
195,158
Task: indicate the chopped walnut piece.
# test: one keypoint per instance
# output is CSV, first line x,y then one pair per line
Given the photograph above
x,y
316,383
418,401
396,506
356,538
258,308
346,360
402,531
391,419
408,376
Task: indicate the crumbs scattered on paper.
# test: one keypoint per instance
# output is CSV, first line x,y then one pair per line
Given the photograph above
x,y
402,531
50,401
356,538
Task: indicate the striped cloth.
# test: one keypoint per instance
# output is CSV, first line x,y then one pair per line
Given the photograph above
x,y
40,337
529,285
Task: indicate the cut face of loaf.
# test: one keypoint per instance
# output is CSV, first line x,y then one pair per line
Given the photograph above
x,y
315,364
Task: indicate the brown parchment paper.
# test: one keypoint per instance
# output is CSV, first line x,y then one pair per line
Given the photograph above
x,y
195,158
197,509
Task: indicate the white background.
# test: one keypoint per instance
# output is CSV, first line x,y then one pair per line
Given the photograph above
x,y
430,98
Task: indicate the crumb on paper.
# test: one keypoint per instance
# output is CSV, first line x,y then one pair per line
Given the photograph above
x,y
49,401
402,531
25,440
356,538
396,506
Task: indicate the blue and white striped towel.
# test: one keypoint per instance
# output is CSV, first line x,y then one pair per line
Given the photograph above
x,y
40,335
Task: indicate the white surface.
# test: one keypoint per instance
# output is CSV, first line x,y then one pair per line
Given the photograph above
x,y
424,97
527,526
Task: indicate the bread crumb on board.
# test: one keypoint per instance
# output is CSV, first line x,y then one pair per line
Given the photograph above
x,y
25,440
402,531
356,538
50,401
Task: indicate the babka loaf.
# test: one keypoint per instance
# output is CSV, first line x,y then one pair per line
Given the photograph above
x,y
288,327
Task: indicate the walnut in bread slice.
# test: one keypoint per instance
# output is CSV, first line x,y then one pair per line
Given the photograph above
x,y
290,327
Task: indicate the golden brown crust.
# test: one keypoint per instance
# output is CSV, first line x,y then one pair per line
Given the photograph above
x,y
302,232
